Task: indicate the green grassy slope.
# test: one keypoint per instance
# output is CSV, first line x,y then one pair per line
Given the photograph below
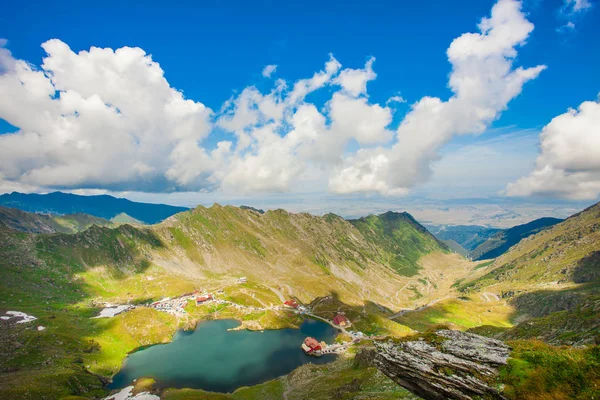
x,y
552,279
556,255
64,279
312,255
402,240
41,275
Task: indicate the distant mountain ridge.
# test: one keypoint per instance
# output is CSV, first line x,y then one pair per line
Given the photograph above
x,y
467,236
503,240
24,221
102,206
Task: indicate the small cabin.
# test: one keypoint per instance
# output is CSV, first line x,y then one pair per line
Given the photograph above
x,y
341,320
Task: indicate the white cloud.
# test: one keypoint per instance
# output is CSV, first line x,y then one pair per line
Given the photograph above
x,y
568,27
98,119
108,119
354,81
483,81
395,99
576,6
268,70
569,162
572,10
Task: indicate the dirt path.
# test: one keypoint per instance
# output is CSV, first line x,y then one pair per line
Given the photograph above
x,y
278,293
488,297
406,311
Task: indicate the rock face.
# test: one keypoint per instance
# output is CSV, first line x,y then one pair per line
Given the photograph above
x,y
448,365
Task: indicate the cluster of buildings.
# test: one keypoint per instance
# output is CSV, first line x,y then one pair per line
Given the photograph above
x,y
172,306
313,346
177,305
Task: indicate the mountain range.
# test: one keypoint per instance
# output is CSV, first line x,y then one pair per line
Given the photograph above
x,y
387,273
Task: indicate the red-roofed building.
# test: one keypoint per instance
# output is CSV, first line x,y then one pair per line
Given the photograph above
x,y
291,303
340,320
311,344
204,298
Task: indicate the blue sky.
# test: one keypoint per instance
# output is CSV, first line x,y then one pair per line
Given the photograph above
x,y
213,50
209,49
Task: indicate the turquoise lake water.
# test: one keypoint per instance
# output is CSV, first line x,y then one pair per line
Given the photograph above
x,y
211,358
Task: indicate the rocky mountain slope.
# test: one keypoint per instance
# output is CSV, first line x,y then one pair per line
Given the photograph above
x,y
503,240
102,206
368,258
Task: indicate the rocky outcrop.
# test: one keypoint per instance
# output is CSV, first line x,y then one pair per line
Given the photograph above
x,y
445,365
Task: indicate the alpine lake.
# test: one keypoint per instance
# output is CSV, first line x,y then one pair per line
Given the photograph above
x,y
214,358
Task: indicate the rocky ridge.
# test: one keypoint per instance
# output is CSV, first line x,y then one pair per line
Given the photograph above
x,y
445,365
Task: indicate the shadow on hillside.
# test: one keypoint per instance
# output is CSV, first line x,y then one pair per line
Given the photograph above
x,y
40,277
568,316
587,269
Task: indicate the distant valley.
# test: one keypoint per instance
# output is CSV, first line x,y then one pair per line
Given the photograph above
x,y
481,243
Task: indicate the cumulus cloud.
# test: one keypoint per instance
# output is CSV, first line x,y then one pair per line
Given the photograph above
x,y
101,118
268,70
354,81
483,80
281,137
569,162
108,119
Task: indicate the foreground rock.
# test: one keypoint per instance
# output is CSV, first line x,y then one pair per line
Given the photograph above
x,y
445,365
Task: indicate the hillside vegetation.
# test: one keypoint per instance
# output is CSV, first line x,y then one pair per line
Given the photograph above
x,y
403,241
386,273
65,279
552,279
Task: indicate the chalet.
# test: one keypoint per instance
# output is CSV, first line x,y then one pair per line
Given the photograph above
x,y
311,345
341,320
243,279
291,303
203,299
